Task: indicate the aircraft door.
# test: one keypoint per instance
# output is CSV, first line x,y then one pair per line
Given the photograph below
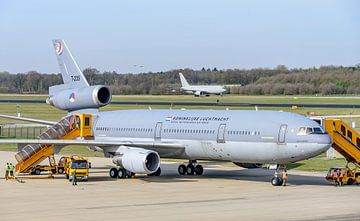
x,y
282,134
158,127
221,133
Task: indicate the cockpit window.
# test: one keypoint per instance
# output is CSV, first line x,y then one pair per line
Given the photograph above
x,y
302,131
310,130
318,130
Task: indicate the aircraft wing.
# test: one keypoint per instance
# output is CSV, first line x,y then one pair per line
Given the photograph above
x,y
45,122
99,143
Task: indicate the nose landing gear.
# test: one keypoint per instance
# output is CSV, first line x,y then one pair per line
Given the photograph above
x,y
277,180
191,168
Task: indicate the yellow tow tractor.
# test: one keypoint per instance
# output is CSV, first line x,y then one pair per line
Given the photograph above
x,y
63,164
350,175
80,164
42,168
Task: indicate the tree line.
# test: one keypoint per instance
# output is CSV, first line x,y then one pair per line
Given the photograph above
x,y
324,80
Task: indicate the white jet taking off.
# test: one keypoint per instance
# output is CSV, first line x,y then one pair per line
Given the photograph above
x,y
200,90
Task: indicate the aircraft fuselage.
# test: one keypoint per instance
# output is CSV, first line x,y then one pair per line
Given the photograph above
x,y
237,136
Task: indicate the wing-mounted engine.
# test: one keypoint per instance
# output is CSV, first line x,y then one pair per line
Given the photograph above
x,y
249,165
79,98
137,160
198,93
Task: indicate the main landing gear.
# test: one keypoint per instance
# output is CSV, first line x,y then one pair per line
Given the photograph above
x,y
122,173
156,173
277,180
191,168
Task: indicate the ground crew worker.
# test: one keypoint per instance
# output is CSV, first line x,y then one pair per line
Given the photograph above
x,y
7,170
74,183
341,177
335,177
285,177
11,170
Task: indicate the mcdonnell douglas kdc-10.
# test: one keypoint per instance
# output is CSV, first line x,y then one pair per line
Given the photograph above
x,y
137,139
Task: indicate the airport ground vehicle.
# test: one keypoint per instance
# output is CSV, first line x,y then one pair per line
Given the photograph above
x,y
69,127
346,141
41,168
60,168
350,177
63,164
81,165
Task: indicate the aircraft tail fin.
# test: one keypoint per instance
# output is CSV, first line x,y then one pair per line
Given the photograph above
x,y
184,82
70,71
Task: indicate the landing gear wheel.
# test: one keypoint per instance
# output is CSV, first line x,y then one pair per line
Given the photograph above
x,y
182,169
113,173
199,170
60,170
121,173
277,181
350,181
157,172
130,174
37,171
190,169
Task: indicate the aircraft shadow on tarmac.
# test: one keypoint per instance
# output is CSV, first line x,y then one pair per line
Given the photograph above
x,y
170,175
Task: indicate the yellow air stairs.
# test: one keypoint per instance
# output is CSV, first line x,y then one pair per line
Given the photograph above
x,y
70,127
345,140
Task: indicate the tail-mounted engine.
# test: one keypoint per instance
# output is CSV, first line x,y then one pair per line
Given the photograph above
x,y
79,98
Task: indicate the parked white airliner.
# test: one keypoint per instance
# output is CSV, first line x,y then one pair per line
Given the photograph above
x,y
136,139
200,90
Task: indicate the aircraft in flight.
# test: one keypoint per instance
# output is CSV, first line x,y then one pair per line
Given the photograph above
x,y
200,90
137,139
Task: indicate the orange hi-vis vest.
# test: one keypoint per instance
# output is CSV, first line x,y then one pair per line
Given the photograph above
x,y
335,175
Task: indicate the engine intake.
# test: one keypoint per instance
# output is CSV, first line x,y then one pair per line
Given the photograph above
x,y
79,98
137,160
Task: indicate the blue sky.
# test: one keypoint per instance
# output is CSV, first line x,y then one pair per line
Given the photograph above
x,y
161,35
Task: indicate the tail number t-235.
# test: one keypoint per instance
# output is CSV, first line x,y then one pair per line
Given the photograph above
x,y
75,78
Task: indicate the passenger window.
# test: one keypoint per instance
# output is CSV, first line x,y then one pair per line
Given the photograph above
x,y
87,121
343,130
349,134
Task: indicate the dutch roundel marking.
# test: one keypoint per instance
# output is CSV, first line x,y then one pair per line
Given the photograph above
x,y
72,97
59,47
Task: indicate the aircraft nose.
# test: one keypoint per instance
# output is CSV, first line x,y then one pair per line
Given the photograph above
x,y
325,142
324,139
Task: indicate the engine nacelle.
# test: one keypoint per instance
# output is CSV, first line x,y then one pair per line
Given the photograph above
x,y
138,160
197,93
79,98
249,165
